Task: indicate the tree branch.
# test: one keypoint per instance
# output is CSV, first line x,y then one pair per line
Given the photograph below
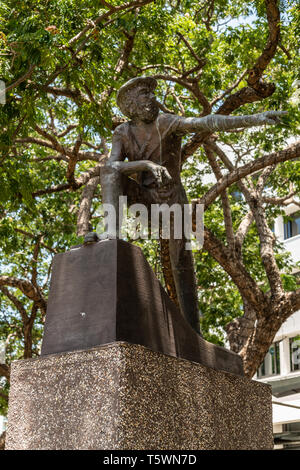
x,y
21,79
191,85
294,298
225,202
289,153
34,261
257,89
5,371
20,307
113,9
26,287
83,179
236,270
266,237
229,90
83,217
242,231
72,162
273,17
54,189
282,201
200,61
75,94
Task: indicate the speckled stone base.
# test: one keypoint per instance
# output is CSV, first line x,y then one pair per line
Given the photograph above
x,y
125,396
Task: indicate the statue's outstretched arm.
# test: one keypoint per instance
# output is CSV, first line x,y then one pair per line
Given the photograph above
x,y
218,122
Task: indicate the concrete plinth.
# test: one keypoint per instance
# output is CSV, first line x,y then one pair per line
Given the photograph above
x,y
125,396
107,292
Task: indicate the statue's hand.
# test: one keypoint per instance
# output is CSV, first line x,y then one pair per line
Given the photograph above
x,y
160,173
270,117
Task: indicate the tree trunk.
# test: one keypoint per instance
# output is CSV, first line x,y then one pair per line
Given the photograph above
x,y
259,340
240,329
28,340
2,441
167,270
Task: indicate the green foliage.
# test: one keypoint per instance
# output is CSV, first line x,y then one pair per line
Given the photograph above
x,y
38,33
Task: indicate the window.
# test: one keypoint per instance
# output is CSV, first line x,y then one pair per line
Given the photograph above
x,y
292,225
292,427
271,362
295,353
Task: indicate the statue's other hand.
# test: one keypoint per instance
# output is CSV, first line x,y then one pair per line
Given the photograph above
x,y
161,174
271,117
166,177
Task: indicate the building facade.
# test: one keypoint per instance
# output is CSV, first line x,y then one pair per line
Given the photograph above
x,y
281,366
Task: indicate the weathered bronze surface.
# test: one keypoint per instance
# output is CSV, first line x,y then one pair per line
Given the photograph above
x,y
149,145
105,292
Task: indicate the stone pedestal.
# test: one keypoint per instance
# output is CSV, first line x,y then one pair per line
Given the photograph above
x,y
107,292
125,396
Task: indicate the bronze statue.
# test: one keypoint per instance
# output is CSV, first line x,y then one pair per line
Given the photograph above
x,y
149,145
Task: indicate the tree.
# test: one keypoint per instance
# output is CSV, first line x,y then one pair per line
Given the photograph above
x,y
62,62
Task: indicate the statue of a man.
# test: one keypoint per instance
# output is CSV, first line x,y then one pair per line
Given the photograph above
x,y
150,145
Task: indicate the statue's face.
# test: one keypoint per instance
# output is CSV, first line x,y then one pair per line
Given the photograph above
x,y
144,102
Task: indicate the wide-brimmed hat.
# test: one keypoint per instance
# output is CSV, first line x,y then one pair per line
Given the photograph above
x,y
149,81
